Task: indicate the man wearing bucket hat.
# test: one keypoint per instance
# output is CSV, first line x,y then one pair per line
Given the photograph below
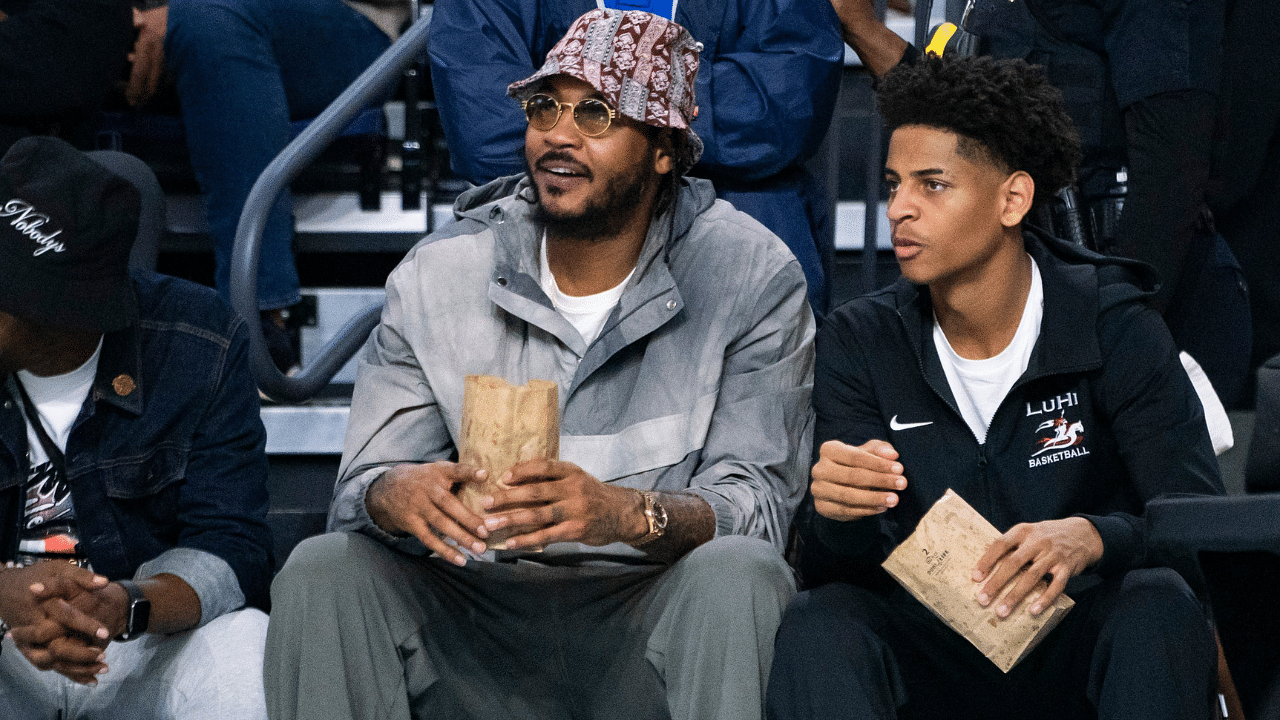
x,y
132,465
643,577
767,92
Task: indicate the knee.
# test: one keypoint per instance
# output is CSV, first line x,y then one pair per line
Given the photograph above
x,y
734,564
235,639
201,26
820,620
317,562
1157,603
1159,594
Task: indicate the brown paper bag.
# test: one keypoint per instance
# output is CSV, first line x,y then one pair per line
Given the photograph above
x,y
501,425
936,564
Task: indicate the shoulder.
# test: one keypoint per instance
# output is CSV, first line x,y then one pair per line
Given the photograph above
x,y
457,258
730,246
873,313
170,304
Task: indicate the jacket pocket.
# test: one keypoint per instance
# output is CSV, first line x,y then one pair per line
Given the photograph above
x,y
147,489
145,475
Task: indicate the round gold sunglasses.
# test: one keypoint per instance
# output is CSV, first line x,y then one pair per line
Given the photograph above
x,y
592,115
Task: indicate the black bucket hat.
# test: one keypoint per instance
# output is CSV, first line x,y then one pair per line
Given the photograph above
x,y
67,225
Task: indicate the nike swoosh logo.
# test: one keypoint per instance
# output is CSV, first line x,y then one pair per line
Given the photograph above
x,y
895,425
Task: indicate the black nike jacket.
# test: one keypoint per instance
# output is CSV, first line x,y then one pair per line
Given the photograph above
x,y
1103,420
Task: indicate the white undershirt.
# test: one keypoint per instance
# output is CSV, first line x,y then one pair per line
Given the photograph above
x,y
979,386
49,517
58,399
587,313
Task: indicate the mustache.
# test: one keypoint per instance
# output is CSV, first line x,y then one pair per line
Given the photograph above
x,y
565,158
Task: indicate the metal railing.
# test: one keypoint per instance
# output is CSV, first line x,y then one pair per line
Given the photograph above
x,y
372,86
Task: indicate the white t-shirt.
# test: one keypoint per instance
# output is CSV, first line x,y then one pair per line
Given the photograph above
x,y
587,313
979,386
49,516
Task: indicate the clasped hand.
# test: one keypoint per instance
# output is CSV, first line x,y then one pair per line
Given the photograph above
x,y
60,617
547,501
851,483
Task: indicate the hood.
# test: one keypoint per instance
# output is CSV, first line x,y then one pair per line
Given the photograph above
x,y
1119,279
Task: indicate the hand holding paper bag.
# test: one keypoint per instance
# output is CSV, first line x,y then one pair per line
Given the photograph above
x,y
935,564
501,426
528,498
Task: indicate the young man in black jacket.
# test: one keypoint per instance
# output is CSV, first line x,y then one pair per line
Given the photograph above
x,y
1027,375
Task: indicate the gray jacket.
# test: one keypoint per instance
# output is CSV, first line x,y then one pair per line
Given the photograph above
x,y
699,380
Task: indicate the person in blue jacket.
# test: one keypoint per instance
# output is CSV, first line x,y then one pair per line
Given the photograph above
x,y
1027,375
768,87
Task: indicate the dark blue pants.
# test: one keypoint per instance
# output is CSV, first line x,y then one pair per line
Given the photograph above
x,y
244,69
1138,646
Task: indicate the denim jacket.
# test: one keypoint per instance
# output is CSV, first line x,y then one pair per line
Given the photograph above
x,y
166,461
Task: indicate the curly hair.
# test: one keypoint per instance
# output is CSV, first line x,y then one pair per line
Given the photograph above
x,y
1005,111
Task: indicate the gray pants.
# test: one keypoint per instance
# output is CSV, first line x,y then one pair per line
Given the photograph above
x,y
362,631
213,672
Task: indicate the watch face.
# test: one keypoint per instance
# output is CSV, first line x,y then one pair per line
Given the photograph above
x,y
139,617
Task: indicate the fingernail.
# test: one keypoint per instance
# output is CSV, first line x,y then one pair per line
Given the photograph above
x,y
482,474
101,657
901,483
487,502
482,532
897,468
100,579
460,560
477,548
506,476
891,500
977,575
1037,609
101,671
37,587
493,523
983,599
1003,611
102,633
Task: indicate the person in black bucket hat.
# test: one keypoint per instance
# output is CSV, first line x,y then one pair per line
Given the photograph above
x,y
66,228
132,465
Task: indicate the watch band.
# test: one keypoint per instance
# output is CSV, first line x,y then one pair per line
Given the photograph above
x,y
137,615
655,515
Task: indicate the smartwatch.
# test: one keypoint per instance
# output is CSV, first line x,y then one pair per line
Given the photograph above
x,y
139,613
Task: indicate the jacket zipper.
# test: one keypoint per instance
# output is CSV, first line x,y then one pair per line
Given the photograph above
x,y
982,447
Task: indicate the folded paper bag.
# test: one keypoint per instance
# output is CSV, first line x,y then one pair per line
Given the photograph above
x,y
935,564
503,424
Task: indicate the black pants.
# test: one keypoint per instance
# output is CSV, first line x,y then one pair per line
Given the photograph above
x,y
1133,647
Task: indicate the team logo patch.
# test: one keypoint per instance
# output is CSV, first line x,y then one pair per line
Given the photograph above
x,y
1060,438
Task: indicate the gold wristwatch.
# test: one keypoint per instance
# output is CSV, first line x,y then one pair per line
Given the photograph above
x,y
655,515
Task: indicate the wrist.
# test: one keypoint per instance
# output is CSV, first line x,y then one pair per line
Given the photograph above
x,y
654,516
374,505
118,609
137,612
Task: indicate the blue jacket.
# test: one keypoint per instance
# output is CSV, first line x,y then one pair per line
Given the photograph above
x,y
167,473
765,91
1103,361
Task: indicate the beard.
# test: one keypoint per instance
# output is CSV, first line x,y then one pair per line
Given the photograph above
x,y
618,201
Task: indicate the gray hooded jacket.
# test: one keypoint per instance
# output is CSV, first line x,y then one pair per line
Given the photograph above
x,y
699,380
